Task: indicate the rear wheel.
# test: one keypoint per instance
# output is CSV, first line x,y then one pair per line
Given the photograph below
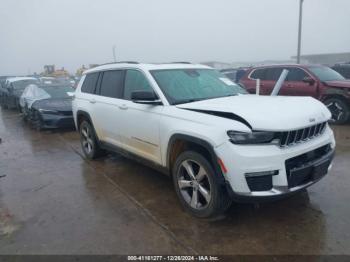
x,y
88,141
339,109
197,186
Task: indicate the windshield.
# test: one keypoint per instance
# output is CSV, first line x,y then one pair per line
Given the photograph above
x,y
326,73
188,85
58,91
21,84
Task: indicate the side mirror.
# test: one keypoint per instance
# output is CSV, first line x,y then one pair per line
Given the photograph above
x,y
309,80
145,97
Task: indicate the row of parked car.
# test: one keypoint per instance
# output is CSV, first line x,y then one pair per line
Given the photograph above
x,y
44,102
321,82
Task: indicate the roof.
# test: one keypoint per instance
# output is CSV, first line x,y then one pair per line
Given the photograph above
x,y
146,67
285,65
14,79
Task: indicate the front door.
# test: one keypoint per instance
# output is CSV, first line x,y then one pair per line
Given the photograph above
x,y
295,86
139,129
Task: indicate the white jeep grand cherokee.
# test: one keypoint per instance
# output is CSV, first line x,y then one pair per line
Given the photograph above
x,y
216,142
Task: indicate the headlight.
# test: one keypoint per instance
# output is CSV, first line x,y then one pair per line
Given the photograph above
x,y
256,137
47,111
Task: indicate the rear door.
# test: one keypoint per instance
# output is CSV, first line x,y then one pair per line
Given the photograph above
x,y
268,77
294,85
139,129
106,106
250,83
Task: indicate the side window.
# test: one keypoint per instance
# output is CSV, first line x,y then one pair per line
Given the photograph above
x,y
112,83
89,83
296,74
258,74
135,81
273,74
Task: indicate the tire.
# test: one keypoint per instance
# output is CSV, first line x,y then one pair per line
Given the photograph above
x,y
201,194
88,141
37,122
340,110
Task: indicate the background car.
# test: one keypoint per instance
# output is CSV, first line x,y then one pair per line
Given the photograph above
x,y
343,69
234,74
48,106
13,89
320,82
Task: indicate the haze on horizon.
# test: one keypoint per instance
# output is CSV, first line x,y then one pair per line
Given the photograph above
x,y
71,33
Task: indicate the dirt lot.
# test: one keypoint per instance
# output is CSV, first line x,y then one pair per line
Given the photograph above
x,y
52,201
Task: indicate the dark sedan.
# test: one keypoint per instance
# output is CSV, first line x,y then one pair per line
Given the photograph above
x,y
48,106
12,89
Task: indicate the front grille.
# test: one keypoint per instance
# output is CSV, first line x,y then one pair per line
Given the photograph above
x,y
66,113
290,138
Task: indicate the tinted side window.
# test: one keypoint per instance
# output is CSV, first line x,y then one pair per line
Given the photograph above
x,y
273,74
258,74
89,83
296,74
135,81
112,84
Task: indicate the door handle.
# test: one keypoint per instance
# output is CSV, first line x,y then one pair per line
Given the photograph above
x,y
123,107
92,101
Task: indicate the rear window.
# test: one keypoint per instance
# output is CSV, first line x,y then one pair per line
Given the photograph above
x,y
112,84
89,84
258,74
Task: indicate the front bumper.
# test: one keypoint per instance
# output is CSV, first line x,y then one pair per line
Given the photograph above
x,y
293,169
57,121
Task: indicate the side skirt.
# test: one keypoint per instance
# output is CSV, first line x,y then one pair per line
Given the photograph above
x,y
146,162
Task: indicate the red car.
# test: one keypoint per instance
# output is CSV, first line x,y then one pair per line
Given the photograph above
x,y
320,82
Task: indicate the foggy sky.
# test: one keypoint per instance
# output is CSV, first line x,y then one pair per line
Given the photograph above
x,y
69,33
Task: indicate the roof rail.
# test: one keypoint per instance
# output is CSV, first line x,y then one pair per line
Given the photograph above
x,y
119,62
126,62
181,62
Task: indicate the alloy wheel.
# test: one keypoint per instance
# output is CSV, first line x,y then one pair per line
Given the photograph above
x,y
336,109
194,184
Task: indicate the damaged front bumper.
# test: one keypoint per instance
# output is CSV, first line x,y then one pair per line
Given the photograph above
x,y
57,121
267,172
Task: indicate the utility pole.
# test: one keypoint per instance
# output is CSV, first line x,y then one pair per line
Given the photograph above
x,y
299,29
114,56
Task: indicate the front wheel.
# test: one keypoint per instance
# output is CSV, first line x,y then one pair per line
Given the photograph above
x,y
37,122
197,186
339,109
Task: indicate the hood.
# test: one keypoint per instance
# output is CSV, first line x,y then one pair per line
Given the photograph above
x,y
339,83
57,104
275,113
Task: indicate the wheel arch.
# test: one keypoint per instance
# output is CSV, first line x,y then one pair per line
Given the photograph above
x,y
81,115
179,143
336,93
